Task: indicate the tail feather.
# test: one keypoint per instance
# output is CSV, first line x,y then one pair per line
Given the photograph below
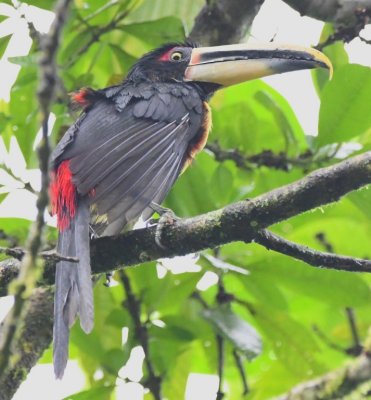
x,y
85,288
73,286
64,301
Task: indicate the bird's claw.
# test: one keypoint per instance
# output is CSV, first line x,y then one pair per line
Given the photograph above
x,y
108,281
167,217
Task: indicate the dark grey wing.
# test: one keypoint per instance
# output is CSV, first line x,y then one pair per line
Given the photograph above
x,y
123,162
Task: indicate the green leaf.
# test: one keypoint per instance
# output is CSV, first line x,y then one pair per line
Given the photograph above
x,y
166,295
3,196
188,196
105,337
280,117
23,107
176,379
118,317
345,105
157,32
78,41
362,199
335,52
46,4
243,119
177,329
264,291
114,359
186,10
347,289
16,227
293,343
99,13
221,185
98,393
4,120
233,328
4,41
29,60
124,59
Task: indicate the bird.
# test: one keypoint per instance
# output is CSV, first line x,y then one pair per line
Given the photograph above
x,y
128,146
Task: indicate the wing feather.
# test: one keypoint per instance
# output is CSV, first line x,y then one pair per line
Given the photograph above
x,y
149,157
124,162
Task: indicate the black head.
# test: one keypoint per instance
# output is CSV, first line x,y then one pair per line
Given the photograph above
x,y
167,63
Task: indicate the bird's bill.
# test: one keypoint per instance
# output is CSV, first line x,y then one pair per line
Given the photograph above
x,y
232,64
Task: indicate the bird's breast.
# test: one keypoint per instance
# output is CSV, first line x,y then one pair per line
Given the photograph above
x,y
199,141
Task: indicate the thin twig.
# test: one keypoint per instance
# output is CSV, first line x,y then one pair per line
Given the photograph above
x,y
29,271
313,257
197,296
220,351
141,334
241,370
95,37
364,40
266,158
26,185
327,340
221,298
322,239
356,348
49,255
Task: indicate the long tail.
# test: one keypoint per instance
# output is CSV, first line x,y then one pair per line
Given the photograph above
x,y
73,286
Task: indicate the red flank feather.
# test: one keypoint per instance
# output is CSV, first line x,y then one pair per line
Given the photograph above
x,y
63,195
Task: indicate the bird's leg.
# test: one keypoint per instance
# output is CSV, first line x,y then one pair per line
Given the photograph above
x,y
167,217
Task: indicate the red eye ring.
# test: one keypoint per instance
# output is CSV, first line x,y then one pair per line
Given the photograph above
x,y
172,55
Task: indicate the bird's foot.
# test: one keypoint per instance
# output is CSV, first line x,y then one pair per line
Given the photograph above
x,y
167,217
108,281
93,233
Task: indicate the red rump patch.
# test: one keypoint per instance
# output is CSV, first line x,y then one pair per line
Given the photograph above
x,y
63,195
83,97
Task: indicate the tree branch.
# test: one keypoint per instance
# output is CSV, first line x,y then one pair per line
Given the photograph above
x,y
240,221
34,337
236,222
224,21
339,12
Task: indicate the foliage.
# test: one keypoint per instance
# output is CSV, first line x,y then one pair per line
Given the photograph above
x,y
277,301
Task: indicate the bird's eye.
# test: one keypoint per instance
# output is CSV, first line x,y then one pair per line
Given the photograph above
x,y
176,56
